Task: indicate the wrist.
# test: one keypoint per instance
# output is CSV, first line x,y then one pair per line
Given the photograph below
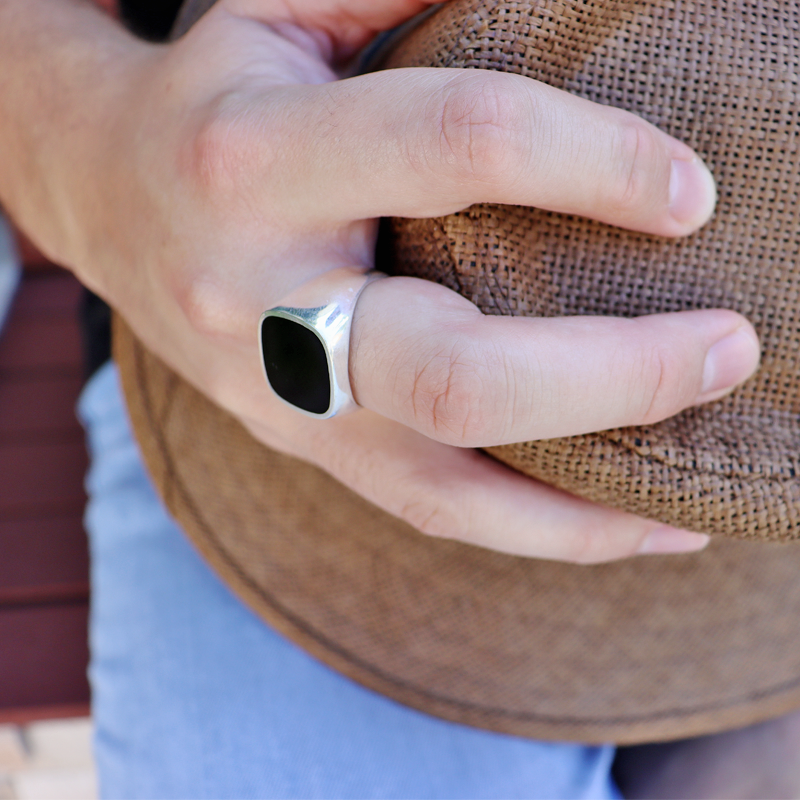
x,y
53,139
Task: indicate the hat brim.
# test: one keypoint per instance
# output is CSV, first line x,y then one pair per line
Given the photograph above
x,y
641,650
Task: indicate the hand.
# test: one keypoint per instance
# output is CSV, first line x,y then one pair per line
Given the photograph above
x,y
227,169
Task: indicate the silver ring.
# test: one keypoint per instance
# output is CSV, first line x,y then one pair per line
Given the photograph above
x,y
305,343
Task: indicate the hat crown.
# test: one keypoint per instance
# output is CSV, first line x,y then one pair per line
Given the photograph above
x,y
722,77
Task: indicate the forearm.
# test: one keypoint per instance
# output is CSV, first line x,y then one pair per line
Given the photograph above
x,y
64,66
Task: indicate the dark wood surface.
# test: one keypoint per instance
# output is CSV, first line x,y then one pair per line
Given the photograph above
x,y
44,573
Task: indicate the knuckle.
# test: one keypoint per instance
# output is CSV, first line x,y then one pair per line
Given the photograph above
x,y
446,396
430,518
227,150
479,130
438,506
635,153
660,385
206,305
218,153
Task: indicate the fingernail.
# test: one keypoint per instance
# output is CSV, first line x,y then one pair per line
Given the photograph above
x,y
729,362
672,540
692,192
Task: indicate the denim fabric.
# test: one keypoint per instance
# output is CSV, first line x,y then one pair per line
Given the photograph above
x,y
194,697
10,270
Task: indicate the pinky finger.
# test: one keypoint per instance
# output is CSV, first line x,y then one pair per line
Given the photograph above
x,y
464,495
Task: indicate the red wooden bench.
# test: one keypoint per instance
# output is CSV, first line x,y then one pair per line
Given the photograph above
x,y
44,574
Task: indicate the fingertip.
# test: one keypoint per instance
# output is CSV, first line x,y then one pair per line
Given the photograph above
x,y
666,540
729,362
692,193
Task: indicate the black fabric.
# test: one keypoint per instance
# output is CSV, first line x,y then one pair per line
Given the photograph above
x,y
150,19
95,317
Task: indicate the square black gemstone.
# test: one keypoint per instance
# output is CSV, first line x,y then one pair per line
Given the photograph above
x,y
296,364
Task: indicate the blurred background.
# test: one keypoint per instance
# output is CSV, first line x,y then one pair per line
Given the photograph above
x,y
45,730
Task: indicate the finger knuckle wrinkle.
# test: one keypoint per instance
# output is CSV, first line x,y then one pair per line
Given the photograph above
x,y
430,518
662,374
446,397
478,133
632,180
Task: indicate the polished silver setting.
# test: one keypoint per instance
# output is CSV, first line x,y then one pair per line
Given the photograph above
x,y
325,306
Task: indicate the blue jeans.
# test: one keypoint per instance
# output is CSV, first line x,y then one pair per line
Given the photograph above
x,y
195,697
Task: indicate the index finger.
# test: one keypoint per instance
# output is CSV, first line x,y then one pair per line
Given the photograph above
x,y
428,142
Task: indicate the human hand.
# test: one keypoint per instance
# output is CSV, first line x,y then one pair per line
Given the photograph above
x,y
233,167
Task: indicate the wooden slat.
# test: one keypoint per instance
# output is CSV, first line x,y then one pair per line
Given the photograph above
x,y
36,407
23,716
48,292
43,551
44,656
46,476
39,342
44,594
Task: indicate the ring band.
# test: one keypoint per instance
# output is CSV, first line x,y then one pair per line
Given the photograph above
x,y
305,343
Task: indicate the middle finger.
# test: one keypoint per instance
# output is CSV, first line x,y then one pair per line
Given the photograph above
x,y
426,357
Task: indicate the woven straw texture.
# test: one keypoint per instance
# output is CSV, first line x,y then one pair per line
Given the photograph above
x,y
723,77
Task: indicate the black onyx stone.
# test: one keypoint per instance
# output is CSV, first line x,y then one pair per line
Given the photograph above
x,y
296,364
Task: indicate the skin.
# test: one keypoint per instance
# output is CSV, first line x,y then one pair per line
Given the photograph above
x,y
196,184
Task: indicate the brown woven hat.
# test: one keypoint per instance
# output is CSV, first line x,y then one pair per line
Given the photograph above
x,y
723,77
635,651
